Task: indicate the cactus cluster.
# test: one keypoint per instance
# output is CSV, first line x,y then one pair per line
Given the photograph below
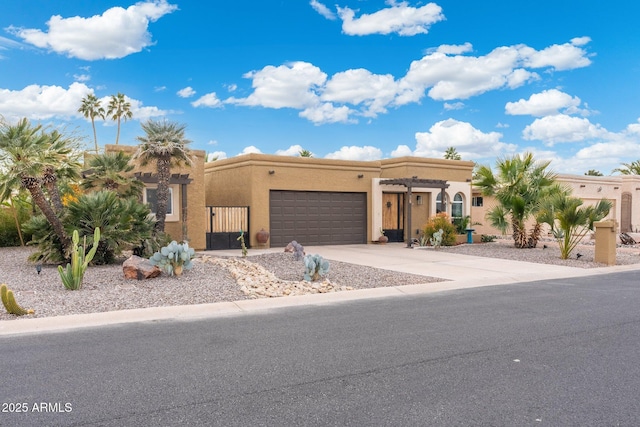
x,y
73,275
436,240
173,258
315,266
9,302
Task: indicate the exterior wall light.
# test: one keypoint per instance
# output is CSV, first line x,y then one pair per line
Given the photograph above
x,y
271,172
361,175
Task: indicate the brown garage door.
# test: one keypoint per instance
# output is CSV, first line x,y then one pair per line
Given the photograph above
x,y
317,217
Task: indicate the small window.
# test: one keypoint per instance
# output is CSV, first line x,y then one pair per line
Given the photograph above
x,y
152,200
477,201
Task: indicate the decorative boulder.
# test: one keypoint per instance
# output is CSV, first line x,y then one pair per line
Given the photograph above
x,y
139,268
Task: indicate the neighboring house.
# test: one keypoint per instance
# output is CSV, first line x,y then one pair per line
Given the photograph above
x,y
323,201
622,190
185,219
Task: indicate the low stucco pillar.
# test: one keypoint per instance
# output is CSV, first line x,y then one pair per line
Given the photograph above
x,y
605,252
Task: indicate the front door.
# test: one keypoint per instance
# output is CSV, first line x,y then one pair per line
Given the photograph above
x,y
393,216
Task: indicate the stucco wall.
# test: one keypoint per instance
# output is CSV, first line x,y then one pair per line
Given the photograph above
x,y
196,213
245,181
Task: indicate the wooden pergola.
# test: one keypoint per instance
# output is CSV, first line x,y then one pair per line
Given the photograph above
x,y
410,183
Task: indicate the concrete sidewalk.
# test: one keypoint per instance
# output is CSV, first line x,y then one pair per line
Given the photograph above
x,y
461,271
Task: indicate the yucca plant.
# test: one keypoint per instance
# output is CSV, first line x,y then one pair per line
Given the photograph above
x,y
73,275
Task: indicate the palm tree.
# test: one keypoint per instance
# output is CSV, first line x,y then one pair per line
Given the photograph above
x,y
111,171
61,163
452,154
305,153
519,186
90,109
166,145
593,172
569,220
632,168
25,154
119,109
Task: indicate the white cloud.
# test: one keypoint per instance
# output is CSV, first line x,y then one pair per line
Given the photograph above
x,y
232,87
250,149
287,86
159,88
322,9
360,86
547,102
400,18
565,56
116,33
327,113
294,150
453,106
43,102
356,153
563,128
470,142
218,155
208,100
186,92
452,49
81,77
402,151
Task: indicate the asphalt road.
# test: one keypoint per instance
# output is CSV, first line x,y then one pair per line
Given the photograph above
x,y
555,353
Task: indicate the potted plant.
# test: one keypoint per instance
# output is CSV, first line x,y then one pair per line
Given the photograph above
x,y
382,238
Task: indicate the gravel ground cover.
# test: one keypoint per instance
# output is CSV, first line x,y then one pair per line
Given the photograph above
x,y
106,289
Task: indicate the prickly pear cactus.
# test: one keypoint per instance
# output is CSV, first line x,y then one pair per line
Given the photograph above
x,y
315,266
174,258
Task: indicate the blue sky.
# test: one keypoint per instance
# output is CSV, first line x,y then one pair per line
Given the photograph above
x,y
354,79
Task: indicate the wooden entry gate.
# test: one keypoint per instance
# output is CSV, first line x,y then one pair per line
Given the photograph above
x,y
224,225
393,216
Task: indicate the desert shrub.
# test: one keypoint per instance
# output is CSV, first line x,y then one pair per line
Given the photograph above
x,y
486,238
124,224
441,221
8,231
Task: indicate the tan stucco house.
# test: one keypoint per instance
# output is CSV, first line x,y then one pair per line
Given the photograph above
x,y
323,201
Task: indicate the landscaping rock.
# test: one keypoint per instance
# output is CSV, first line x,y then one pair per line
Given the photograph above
x,y
139,268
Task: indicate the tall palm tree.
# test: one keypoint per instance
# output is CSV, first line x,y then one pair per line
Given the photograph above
x,y
305,153
632,168
119,109
90,109
24,156
165,145
452,154
519,186
593,172
111,171
61,159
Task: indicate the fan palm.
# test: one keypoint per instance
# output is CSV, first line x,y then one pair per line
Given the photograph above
x,y
632,168
165,145
90,109
111,171
452,154
119,109
26,155
519,185
569,220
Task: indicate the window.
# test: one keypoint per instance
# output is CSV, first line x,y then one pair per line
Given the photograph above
x,y
150,197
152,200
457,206
476,201
439,205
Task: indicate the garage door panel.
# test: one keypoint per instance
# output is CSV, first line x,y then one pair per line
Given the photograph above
x,y
317,218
